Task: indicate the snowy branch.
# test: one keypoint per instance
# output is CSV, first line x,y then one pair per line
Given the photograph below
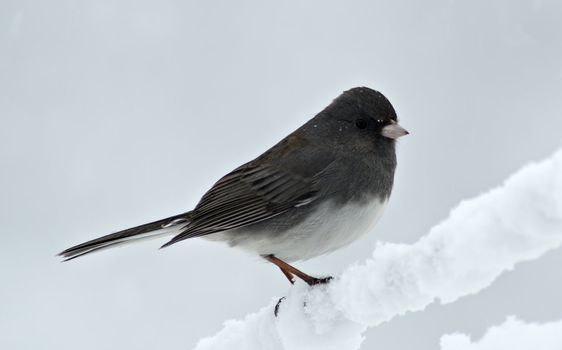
x,y
513,334
482,238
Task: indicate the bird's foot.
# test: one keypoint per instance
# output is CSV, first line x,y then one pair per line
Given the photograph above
x,y
312,281
290,272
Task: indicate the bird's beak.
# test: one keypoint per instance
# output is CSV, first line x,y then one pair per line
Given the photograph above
x,y
394,131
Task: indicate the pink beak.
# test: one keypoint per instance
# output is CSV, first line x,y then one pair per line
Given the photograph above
x,y
394,131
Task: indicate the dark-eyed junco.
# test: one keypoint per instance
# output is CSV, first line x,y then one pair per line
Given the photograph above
x,y
317,190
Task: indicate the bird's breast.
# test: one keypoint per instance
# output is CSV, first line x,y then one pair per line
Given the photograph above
x,y
329,226
334,225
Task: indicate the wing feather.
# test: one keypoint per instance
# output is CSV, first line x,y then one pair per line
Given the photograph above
x,y
246,196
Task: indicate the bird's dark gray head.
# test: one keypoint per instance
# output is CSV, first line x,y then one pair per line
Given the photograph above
x,y
359,118
367,103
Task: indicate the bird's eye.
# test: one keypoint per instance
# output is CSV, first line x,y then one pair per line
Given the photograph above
x,y
361,123
380,121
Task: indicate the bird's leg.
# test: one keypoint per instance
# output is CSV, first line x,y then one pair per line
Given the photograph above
x,y
289,271
287,274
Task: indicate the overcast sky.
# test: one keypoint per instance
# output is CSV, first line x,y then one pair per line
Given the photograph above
x,y
116,113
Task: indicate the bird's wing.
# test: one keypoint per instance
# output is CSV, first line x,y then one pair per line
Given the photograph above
x,y
254,192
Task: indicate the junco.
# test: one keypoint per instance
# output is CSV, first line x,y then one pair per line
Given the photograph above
x,y
317,190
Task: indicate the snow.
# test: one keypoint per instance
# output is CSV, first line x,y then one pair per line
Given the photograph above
x,y
482,238
513,334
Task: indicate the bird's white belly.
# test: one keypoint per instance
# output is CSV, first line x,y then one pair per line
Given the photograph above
x,y
329,228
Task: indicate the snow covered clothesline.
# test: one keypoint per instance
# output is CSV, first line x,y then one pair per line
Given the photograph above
x,y
482,238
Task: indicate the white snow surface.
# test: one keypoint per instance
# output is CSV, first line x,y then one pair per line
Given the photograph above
x,y
513,334
482,238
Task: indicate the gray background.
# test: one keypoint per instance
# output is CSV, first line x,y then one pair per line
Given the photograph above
x,y
114,113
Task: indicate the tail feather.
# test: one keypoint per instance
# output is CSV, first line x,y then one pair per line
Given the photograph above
x,y
165,226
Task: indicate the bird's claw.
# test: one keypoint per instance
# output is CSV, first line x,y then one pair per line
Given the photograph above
x,y
276,310
314,281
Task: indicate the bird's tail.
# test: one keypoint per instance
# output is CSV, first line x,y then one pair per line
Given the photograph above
x,y
167,226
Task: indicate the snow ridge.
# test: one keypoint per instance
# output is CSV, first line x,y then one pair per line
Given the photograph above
x,y
513,334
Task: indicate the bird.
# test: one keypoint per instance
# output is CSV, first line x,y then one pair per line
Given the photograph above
x,y
317,190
